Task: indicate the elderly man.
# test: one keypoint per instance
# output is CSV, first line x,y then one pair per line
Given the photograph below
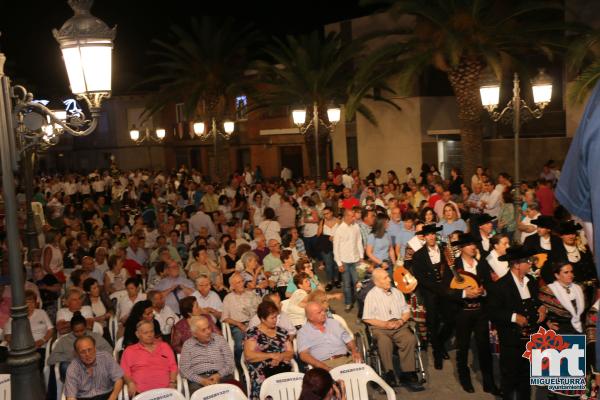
x,y
74,303
323,342
239,307
62,351
148,364
387,313
92,375
89,265
208,300
174,287
206,358
162,313
272,261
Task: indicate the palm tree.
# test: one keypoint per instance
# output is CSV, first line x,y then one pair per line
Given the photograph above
x,y
203,66
463,37
316,69
583,60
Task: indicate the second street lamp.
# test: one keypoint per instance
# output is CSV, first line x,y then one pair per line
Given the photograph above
x,y
299,118
214,132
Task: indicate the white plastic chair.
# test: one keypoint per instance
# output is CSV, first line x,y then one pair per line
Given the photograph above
x,y
246,372
48,349
160,394
118,348
343,322
221,391
226,329
356,377
5,386
113,326
284,386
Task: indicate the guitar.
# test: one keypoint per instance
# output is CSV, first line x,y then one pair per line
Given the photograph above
x,y
461,280
540,259
405,281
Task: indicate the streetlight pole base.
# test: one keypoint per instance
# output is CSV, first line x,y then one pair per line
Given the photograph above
x,y
25,376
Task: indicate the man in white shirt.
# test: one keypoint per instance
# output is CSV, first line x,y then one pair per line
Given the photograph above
x,y
201,219
162,313
491,199
208,300
525,226
347,252
387,313
286,174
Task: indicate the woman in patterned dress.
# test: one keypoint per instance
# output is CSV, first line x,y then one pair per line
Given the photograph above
x,y
267,348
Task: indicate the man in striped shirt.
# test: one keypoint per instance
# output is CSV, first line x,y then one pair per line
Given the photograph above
x,y
92,375
206,358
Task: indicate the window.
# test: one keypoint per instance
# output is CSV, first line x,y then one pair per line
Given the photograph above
x,y
179,113
241,107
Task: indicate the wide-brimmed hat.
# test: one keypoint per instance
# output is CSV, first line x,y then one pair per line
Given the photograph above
x,y
517,253
544,221
465,239
568,228
429,228
482,219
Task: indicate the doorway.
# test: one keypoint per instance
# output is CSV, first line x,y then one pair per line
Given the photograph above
x,y
291,157
449,156
243,159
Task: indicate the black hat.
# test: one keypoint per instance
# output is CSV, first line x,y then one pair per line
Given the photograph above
x,y
544,221
465,239
429,228
517,253
568,227
482,219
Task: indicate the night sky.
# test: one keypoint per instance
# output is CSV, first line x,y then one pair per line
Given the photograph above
x,y
34,58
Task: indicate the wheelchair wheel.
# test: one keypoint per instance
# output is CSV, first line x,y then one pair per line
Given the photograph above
x,y
362,346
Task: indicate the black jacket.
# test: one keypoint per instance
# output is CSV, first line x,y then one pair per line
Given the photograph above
x,y
424,272
483,277
503,301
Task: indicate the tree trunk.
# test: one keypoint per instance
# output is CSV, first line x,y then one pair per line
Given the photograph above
x,y
464,79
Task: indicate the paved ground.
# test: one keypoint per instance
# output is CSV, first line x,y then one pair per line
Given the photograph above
x,y
441,384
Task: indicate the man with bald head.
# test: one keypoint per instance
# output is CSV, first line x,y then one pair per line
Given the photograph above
x,y
323,342
387,313
206,358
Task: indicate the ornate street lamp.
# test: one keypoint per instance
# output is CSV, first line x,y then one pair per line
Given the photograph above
x,y
159,135
214,133
86,43
490,98
299,118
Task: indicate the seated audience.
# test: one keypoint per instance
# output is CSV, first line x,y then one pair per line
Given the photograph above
x,y
174,286
162,313
182,330
142,310
208,300
74,302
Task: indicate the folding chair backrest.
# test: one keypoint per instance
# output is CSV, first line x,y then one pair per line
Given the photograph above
x,y
344,324
284,386
46,371
118,348
221,391
356,377
226,329
160,394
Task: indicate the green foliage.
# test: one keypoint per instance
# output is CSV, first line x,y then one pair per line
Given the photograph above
x,y
583,60
311,68
203,66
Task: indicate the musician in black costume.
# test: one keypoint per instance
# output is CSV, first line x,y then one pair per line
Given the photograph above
x,y
515,308
471,317
579,256
482,227
431,270
543,242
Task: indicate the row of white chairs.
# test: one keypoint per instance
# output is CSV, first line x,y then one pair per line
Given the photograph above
x,y
284,386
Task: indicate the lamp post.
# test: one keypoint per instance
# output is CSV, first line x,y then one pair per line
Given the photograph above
x,y
490,97
86,44
159,135
214,132
299,117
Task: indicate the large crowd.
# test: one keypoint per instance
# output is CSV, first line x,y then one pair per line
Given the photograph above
x,y
142,276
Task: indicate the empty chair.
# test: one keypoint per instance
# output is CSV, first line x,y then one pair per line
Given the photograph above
x,y
356,378
160,394
284,386
221,391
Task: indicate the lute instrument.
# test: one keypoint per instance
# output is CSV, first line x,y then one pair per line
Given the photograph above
x,y
404,280
460,280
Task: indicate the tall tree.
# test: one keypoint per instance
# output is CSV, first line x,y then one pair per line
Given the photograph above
x,y
316,69
462,38
204,66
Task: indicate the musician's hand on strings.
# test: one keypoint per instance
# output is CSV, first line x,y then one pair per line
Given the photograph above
x,y
471,293
521,320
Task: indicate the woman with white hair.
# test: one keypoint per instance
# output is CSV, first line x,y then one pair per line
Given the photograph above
x,y
253,274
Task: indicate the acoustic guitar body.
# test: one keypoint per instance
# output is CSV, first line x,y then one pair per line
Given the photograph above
x,y
404,280
463,280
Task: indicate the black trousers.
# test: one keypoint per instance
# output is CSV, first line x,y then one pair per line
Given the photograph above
x,y
439,321
515,372
469,322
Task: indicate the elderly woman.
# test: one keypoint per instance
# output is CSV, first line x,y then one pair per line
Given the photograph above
x,y
100,303
564,300
182,330
267,348
203,265
115,277
304,265
284,273
253,274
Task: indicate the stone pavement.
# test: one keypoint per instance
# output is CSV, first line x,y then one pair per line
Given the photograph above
x,y
441,384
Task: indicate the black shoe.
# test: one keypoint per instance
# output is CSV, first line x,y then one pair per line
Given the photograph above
x,y
410,381
390,378
438,362
492,389
328,287
445,355
465,382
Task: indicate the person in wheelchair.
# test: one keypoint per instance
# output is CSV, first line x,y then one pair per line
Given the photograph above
x,y
387,314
